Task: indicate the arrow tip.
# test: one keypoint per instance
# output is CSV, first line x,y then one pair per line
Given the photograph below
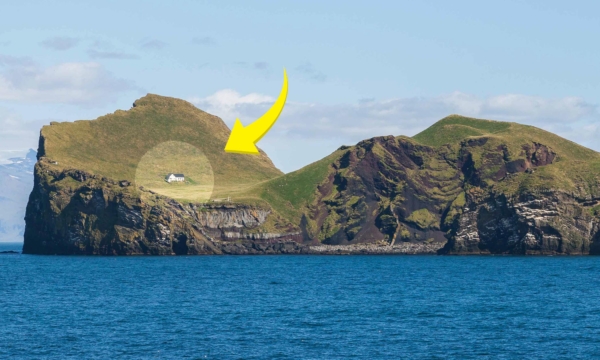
x,y
239,142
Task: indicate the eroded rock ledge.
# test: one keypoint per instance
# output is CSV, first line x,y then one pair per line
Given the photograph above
x,y
548,222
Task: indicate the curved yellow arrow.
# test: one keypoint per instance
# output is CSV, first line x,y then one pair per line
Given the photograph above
x,y
242,139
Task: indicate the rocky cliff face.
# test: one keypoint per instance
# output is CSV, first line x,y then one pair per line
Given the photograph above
x,y
387,190
550,222
393,190
73,212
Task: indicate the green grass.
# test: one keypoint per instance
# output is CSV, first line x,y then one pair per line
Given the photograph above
x,y
289,194
423,219
176,157
576,167
114,144
454,128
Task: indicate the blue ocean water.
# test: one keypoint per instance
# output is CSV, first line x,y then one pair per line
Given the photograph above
x,y
298,307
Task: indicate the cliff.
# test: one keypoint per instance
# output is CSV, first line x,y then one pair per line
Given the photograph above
x,y
463,186
75,212
544,222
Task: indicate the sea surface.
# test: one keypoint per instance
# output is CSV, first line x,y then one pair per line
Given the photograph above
x,y
298,307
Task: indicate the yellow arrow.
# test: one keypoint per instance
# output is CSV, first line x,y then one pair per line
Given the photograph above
x,y
243,139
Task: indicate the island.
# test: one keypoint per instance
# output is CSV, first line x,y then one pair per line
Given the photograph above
x,y
462,186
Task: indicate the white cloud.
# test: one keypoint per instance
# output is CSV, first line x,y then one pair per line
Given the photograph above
x,y
327,127
21,79
228,103
515,107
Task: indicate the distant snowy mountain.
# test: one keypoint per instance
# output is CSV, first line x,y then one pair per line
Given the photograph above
x,y
16,182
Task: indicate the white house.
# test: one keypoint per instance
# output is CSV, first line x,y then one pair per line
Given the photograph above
x,y
174,178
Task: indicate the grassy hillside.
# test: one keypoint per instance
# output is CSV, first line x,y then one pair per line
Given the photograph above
x,y
454,128
113,145
171,157
576,168
289,195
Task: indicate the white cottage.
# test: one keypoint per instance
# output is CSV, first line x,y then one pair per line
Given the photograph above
x,y
174,178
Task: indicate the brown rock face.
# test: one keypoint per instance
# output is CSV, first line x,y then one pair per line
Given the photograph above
x,y
386,189
393,190
497,162
73,212
544,223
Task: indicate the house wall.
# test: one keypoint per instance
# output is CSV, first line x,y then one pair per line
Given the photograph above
x,y
175,179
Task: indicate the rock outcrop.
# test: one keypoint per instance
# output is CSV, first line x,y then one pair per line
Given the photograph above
x,y
74,212
550,222
458,199
71,212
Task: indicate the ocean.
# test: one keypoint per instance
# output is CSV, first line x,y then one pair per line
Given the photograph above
x,y
298,307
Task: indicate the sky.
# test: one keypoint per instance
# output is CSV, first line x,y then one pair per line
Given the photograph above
x,y
356,69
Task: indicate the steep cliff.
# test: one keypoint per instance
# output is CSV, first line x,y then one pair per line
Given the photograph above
x,y
74,212
546,222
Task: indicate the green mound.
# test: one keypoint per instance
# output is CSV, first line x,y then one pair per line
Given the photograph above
x,y
455,128
113,145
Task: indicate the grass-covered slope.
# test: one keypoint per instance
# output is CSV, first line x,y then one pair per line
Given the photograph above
x,y
290,195
113,145
455,128
575,168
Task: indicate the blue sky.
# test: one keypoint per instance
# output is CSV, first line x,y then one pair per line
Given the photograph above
x,y
356,68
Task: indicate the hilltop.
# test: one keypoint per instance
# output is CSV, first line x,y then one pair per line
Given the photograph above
x,y
113,145
463,185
